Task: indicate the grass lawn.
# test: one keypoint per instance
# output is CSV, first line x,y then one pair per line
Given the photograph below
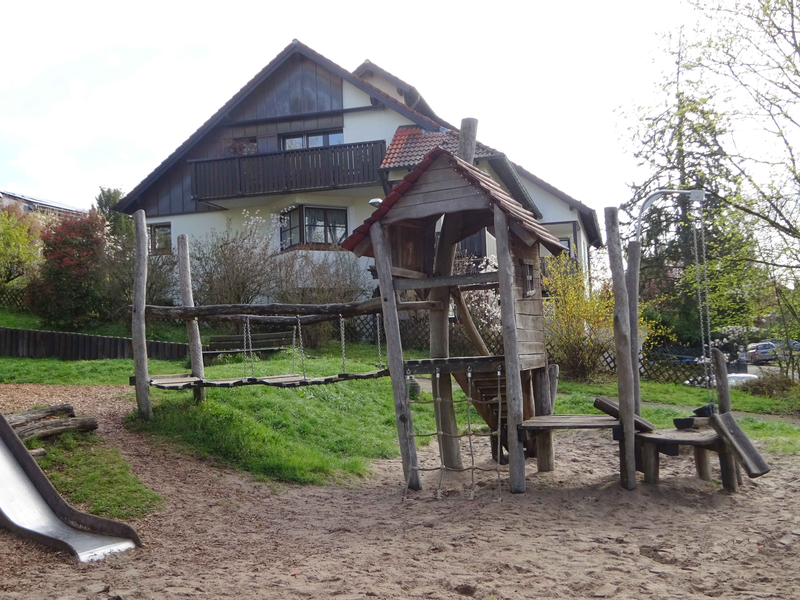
x,y
94,477
683,395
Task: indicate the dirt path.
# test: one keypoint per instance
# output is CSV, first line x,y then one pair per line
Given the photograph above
x,y
574,534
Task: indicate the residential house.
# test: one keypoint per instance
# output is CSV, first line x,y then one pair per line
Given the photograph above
x,y
37,206
320,146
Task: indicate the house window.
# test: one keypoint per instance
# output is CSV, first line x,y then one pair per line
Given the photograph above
x,y
161,238
313,226
567,243
242,147
528,278
313,140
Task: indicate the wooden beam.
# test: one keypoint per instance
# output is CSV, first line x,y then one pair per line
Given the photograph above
x,y
632,282
192,328
362,247
347,309
729,431
394,356
467,139
469,325
445,282
727,458
622,345
399,213
516,451
408,273
522,234
138,333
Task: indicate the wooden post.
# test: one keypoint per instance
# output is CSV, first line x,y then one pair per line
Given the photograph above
x,y
632,280
138,334
192,328
394,357
552,374
545,450
728,466
467,138
516,451
622,345
701,463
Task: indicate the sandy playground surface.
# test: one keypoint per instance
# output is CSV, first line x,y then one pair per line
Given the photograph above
x,y
575,534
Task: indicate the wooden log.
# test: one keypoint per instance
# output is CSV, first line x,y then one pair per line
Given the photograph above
x,y
632,281
30,416
721,377
611,408
650,462
552,376
622,345
394,356
347,309
702,462
467,140
447,281
516,451
138,333
450,447
37,452
53,427
543,405
192,327
740,445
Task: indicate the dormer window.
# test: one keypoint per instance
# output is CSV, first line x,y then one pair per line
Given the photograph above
x,y
313,140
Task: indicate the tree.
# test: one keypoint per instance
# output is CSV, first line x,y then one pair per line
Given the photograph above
x,y
68,290
120,224
680,143
17,247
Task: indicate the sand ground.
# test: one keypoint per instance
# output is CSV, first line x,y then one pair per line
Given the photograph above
x,y
574,534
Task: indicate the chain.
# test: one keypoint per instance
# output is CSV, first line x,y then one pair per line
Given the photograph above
x,y
469,433
499,424
341,334
294,348
438,412
708,298
378,323
248,350
702,314
300,337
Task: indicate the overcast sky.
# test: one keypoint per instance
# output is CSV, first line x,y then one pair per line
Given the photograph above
x,y
100,93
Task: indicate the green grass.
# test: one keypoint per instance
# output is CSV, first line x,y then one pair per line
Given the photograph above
x,y
95,477
683,395
79,372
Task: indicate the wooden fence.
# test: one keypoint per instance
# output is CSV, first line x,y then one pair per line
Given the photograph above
x,y
28,343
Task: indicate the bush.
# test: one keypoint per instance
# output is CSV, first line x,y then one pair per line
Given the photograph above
x,y
772,385
318,277
67,291
18,244
578,324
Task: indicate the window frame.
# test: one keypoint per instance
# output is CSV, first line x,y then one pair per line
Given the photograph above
x,y
568,245
302,243
528,271
153,237
326,133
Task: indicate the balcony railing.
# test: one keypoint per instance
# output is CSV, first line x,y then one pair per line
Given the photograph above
x,y
346,165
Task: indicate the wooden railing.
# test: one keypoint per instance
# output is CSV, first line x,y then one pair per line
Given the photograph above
x,y
347,165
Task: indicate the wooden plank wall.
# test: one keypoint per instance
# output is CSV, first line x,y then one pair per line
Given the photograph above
x,y
300,86
529,311
28,343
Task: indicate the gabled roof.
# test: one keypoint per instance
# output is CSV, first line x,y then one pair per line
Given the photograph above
x,y
588,215
221,116
39,204
515,211
410,144
411,95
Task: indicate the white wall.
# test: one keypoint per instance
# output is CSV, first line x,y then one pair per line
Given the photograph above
x,y
384,85
368,125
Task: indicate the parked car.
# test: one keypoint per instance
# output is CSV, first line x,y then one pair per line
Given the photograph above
x,y
760,353
782,347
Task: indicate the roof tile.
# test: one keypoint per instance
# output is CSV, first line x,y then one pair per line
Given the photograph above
x,y
410,145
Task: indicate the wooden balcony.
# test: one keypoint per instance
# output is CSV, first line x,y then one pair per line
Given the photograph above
x,y
346,165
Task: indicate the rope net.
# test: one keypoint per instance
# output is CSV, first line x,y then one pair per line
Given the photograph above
x,y
470,401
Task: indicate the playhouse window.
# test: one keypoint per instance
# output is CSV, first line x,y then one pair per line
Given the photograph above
x,y
528,278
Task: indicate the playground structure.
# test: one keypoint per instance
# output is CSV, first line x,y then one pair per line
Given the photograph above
x,y
513,393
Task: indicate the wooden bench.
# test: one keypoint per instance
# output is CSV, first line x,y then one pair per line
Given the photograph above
x,y
234,344
668,441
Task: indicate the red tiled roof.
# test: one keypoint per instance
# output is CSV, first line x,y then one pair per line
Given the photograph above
x,y
410,144
515,211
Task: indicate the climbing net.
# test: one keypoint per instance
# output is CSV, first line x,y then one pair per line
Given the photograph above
x,y
470,401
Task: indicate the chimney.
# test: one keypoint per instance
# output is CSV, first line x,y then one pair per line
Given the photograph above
x,y
466,140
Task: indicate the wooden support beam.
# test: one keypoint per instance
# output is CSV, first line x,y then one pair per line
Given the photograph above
x,y
740,445
469,325
192,328
347,309
552,376
138,333
447,281
516,451
702,463
650,462
622,344
467,140
394,356
632,281
727,458
545,449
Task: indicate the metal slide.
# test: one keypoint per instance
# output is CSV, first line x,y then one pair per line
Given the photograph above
x,y
31,507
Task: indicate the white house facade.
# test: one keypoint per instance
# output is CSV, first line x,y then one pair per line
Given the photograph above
x,y
308,145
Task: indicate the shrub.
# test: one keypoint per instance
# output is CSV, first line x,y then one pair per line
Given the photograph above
x,y
772,385
67,291
578,324
235,266
18,249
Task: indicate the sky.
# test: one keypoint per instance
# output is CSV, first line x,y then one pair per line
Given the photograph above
x,y
98,94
